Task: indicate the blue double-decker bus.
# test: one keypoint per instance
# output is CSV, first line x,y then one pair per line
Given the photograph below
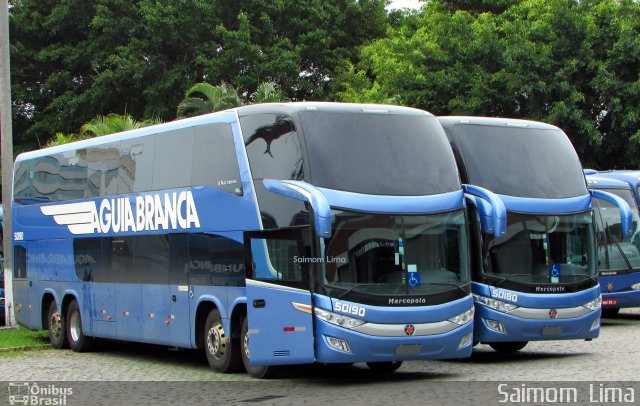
x,y
618,254
266,235
536,278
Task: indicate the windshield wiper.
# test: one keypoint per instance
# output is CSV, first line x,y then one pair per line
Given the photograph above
x,y
448,284
624,256
351,289
501,281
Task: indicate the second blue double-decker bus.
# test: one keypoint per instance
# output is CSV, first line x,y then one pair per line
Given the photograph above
x,y
618,255
538,279
266,235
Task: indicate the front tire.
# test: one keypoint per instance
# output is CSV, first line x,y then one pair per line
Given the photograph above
x,y
222,350
508,347
384,367
78,341
57,328
259,372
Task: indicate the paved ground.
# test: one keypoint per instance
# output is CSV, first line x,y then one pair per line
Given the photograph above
x,y
172,376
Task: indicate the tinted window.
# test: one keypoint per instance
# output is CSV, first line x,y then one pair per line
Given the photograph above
x,y
19,262
385,154
214,160
521,162
273,147
173,159
137,165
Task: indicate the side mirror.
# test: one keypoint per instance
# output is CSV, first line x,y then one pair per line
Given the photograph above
x,y
493,214
305,192
626,218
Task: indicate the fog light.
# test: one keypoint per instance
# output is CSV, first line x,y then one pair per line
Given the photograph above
x,y
495,325
595,324
338,344
465,341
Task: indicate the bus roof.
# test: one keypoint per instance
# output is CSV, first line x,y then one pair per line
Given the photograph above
x,y
596,182
632,177
225,116
493,121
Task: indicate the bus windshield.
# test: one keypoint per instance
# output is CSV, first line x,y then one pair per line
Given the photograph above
x,y
396,255
381,154
539,249
511,155
615,251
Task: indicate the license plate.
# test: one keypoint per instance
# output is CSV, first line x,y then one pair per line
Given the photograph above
x,y
610,301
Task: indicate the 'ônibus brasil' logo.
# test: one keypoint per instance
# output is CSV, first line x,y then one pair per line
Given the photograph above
x,y
168,211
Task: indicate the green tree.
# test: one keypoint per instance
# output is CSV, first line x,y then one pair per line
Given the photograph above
x,y
203,98
76,59
113,123
267,92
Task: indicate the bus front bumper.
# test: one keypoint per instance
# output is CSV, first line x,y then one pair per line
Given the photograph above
x,y
494,326
361,347
628,298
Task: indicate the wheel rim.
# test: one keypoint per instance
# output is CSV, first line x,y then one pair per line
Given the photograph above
x,y
55,326
216,341
245,344
75,328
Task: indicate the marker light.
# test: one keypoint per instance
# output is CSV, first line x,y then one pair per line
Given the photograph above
x,y
463,318
495,304
594,304
337,319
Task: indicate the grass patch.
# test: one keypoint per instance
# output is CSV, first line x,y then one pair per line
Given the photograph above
x,y
22,337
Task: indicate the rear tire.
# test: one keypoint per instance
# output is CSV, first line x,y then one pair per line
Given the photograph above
x,y
610,313
508,347
223,352
384,367
78,341
57,328
259,372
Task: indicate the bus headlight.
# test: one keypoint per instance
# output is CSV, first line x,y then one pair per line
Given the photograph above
x,y
635,286
463,318
337,319
594,304
494,304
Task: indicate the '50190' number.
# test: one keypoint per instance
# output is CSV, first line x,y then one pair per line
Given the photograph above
x,y
350,309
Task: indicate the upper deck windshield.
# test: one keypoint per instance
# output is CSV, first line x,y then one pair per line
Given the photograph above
x,y
520,161
396,256
541,250
381,154
617,252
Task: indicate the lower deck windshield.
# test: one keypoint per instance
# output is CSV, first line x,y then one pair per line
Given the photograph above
x,y
617,252
542,249
396,255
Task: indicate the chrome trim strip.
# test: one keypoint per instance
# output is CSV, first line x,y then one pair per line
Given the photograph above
x,y
397,330
543,314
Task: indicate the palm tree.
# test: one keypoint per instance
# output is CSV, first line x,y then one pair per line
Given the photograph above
x,y
203,98
113,123
267,92
61,138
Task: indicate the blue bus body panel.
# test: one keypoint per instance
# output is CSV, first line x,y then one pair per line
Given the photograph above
x,y
617,292
368,348
547,206
279,333
526,329
395,204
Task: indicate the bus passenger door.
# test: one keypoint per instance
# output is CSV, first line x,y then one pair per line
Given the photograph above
x,y
279,304
22,284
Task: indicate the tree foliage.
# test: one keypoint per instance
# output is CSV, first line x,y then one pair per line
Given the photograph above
x,y
76,59
573,64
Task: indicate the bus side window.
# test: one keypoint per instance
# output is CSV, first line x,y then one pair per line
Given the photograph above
x,y
20,263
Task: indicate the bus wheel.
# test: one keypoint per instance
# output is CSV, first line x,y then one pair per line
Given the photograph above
x,y
222,350
384,367
611,312
78,341
260,372
508,347
56,327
